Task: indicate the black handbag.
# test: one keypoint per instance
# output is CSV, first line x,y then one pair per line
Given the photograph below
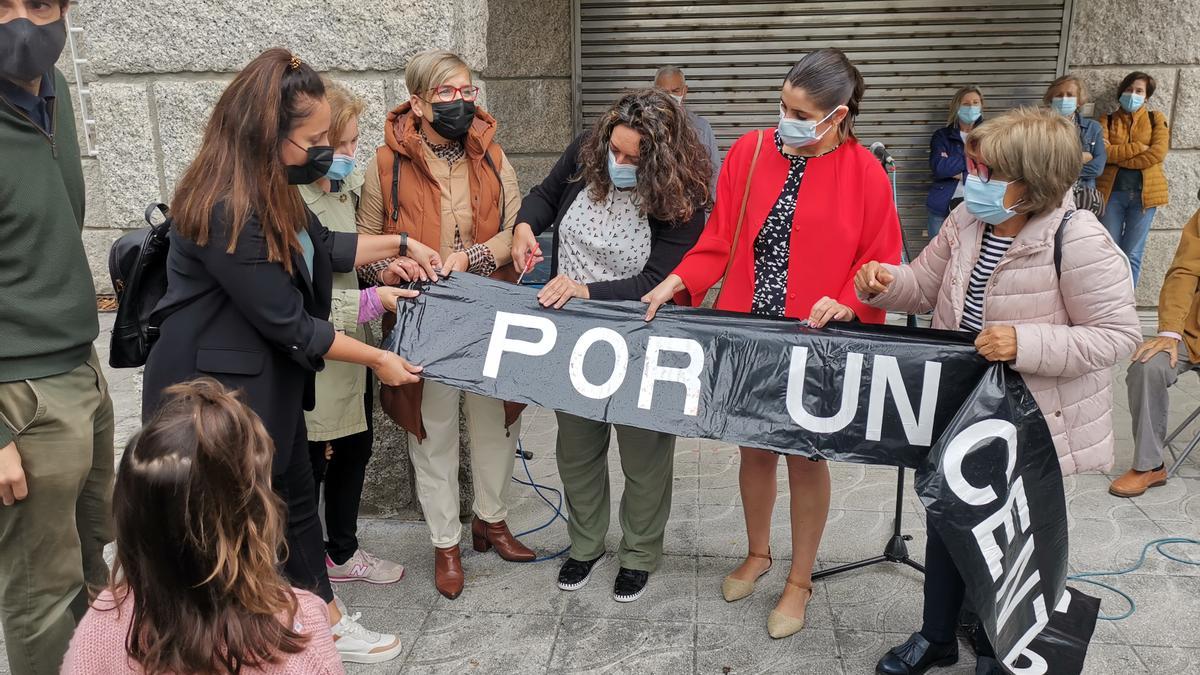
x,y
137,263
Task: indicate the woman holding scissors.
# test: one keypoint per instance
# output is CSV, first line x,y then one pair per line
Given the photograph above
x,y
626,201
443,184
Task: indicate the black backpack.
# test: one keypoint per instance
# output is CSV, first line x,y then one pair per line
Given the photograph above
x,y
137,263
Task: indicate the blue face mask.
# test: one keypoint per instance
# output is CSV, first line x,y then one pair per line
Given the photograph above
x,y
800,133
623,176
969,114
341,167
985,201
1131,102
1064,105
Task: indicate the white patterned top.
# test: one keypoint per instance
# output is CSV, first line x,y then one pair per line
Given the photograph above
x,y
603,241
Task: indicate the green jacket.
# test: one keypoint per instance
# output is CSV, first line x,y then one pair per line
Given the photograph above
x,y
48,301
340,409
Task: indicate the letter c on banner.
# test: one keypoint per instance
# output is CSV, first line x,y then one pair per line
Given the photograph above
x,y
500,342
962,444
620,365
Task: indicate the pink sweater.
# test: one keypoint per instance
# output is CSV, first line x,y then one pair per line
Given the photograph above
x,y
98,647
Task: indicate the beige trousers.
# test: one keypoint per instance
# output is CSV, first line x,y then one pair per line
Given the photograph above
x,y
435,460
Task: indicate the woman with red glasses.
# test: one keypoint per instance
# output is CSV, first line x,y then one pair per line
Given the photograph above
x,y
443,184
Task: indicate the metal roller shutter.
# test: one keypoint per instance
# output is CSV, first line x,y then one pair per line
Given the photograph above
x,y
913,54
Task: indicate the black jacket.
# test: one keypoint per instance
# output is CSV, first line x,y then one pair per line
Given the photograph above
x,y
547,203
246,322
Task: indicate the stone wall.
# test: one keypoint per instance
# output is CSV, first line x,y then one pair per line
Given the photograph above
x,y
1108,39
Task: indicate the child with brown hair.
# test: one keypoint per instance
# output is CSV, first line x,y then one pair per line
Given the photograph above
x,y
196,586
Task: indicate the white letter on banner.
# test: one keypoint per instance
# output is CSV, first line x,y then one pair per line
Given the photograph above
x,y
1038,665
621,352
962,444
885,374
985,530
795,394
500,342
689,376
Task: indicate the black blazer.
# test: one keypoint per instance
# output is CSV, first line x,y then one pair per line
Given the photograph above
x,y
547,203
246,322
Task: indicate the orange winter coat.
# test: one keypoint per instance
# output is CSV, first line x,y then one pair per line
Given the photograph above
x,y
1137,141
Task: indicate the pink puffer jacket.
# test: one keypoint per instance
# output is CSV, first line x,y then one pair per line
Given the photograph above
x,y
1070,331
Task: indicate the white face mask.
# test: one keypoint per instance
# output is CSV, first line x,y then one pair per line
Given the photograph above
x,y
678,99
801,133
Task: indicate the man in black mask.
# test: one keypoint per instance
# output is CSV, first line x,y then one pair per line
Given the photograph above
x,y
56,419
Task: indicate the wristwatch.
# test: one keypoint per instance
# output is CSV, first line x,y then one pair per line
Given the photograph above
x,y
403,244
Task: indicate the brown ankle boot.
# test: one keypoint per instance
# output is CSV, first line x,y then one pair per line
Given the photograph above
x,y
447,571
1134,483
485,535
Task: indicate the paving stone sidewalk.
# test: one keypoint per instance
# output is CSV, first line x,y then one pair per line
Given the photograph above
x,y
513,619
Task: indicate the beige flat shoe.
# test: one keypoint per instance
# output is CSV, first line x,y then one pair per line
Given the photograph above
x,y
780,625
736,589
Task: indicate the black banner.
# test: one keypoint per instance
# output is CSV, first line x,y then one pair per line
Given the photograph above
x,y
986,468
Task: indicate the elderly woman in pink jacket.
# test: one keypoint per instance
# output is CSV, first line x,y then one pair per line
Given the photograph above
x,y
1058,309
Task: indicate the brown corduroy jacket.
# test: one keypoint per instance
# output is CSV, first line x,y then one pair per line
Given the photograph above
x,y
1179,299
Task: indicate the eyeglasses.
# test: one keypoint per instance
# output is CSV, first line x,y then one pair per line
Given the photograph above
x,y
446,93
978,169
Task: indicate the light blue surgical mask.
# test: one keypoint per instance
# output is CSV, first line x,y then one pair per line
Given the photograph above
x,y
1131,102
800,133
1064,105
342,166
623,176
969,114
985,201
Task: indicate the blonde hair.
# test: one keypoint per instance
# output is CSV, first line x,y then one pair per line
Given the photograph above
x,y
1069,77
957,101
430,69
344,106
1036,146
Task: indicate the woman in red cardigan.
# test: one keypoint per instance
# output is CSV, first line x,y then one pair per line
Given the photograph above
x,y
818,207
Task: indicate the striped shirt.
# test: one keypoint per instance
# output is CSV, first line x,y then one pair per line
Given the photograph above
x,y
990,252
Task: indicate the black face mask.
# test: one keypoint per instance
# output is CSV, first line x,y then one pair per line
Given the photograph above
x,y
320,158
452,119
27,50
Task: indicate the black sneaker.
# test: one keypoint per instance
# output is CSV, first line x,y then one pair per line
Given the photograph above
x,y
630,585
574,574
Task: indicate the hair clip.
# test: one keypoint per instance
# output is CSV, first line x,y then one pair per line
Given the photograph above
x,y
295,63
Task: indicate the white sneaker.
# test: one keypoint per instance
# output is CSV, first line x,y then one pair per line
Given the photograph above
x,y
363,566
356,644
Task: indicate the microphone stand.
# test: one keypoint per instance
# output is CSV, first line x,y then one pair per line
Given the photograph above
x,y
896,548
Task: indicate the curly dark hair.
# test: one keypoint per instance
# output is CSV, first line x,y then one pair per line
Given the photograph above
x,y
674,170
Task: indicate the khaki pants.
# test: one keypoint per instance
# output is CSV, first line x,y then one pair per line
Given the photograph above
x,y
435,460
648,462
52,542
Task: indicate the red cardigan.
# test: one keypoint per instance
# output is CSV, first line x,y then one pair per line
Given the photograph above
x,y
845,217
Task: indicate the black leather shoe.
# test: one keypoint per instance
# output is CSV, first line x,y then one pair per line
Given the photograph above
x,y
986,665
917,656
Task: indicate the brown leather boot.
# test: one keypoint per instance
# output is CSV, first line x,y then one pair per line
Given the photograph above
x,y
447,571
485,535
1135,483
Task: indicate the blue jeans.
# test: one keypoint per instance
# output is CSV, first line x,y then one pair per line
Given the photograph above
x,y
934,223
1129,224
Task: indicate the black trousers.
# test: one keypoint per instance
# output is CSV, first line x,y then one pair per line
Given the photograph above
x,y
292,480
343,477
944,592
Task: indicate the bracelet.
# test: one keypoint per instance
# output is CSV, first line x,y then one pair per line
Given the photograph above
x,y
403,244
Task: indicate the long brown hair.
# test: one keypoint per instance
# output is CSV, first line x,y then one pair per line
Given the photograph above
x,y
238,167
198,534
674,169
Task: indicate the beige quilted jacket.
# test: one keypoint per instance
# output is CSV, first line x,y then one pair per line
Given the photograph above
x,y
1070,331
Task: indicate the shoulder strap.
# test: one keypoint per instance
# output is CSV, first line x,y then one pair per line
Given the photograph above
x,y
487,157
737,232
1058,242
